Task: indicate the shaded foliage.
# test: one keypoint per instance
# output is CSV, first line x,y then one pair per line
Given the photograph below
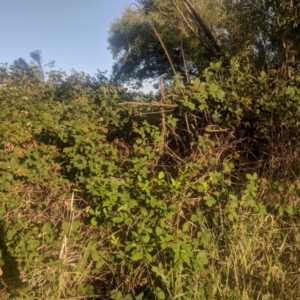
x,y
262,33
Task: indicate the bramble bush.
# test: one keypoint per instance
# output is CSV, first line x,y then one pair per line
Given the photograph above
x,y
105,198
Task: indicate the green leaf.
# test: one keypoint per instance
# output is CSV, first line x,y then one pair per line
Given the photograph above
x,y
252,203
48,253
32,245
148,256
146,238
160,295
55,244
99,264
161,175
75,225
194,218
186,259
230,217
163,245
209,200
191,105
148,229
215,176
116,295
249,176
188,103
169,238
9,235
137,255
47,227
201,257
50,277
95,256
134,233
35,155
185,227
228,166
94,221
290,210
9,177
117,220
158,231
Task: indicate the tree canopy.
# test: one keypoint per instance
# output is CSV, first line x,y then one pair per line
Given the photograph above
x,y
35,68
160,38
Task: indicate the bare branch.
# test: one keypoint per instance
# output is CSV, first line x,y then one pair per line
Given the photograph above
x,y
153,103
206,37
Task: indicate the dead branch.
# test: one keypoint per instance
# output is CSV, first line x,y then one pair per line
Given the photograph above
x,y
152,103
206,37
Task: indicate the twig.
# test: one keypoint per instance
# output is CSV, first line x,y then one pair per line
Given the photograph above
x,y
152,112
187,124
163,115
152,103
215,129
184,64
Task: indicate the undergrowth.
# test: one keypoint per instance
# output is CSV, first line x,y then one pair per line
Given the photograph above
x,y
194,196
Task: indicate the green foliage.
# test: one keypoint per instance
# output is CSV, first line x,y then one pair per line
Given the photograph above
x,y
194,197
260,35
135,46
159,232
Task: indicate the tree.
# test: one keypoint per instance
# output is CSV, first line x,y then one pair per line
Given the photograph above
x,y
144,41
191,33
21,66
33,69
3,72
38,64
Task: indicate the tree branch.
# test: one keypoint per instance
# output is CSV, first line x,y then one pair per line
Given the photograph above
x,y
152,103
206,37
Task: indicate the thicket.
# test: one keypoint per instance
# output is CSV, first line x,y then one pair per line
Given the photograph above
x,y
191,193
193,198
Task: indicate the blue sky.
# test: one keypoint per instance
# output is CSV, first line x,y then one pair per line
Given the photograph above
x,y
72,32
